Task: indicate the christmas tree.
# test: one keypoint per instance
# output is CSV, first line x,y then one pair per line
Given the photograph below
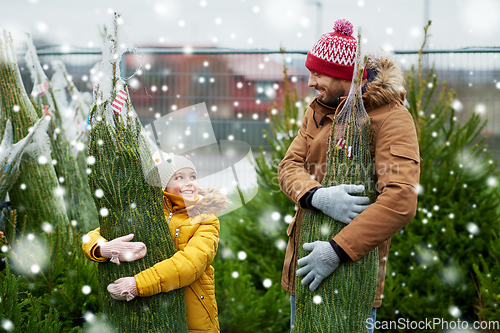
x,y
48,283
36,193
253,240
75,190
488,285
431,271
129,198
353,284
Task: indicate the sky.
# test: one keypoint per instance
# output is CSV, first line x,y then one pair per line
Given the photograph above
x,y
251,24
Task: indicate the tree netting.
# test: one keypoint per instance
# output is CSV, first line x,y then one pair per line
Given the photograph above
x,y
36,143
344,300
36,194
122,171
79,204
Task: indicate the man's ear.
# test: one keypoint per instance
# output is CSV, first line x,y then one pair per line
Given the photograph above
x,y
346,85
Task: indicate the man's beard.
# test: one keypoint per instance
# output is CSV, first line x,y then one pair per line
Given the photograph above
x,y
331,97
330,100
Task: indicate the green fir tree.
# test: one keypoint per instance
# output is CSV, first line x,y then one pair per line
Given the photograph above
x,y
431,270
249,292
131,202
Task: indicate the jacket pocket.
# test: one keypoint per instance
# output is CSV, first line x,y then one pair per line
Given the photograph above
x,y
204,310
404,165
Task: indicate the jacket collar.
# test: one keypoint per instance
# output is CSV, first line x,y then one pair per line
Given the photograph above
x,y
321,111
174,203
328,111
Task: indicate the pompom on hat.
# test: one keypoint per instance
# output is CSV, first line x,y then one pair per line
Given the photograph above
x,y
169,164
334,53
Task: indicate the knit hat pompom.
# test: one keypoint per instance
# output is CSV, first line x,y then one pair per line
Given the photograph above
x,y
343,27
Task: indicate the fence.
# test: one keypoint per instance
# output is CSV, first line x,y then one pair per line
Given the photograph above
x,y
239,87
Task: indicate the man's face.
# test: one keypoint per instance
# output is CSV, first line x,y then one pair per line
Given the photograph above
x,y
329,89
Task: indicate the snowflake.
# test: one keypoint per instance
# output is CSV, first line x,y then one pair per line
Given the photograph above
x,y
7,325
35,269
86,290
89,316
242,255
47,227
454,311
104,212
42,160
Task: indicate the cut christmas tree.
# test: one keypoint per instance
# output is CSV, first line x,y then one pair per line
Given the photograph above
x,y
343,301
11,154
36,194
79,204
123,179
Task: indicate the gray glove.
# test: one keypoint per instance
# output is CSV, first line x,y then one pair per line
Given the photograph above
x,y
336,202
318,264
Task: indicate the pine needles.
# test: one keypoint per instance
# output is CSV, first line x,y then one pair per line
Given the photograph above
x,y
344,300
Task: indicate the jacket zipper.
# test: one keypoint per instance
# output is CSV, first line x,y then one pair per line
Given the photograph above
x,y
177,238
170,213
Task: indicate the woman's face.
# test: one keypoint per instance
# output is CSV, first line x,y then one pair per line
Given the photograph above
x,y
183,183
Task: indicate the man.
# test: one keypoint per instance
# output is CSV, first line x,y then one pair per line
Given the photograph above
x,y
395,154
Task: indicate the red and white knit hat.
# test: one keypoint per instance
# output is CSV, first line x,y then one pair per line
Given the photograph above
x,y
334,53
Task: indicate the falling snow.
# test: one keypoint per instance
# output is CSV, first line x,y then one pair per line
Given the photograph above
x,y
7,325
104,212
454,311
86,290
242,255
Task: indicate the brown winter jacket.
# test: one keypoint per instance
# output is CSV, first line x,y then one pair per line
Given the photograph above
x,y
395,154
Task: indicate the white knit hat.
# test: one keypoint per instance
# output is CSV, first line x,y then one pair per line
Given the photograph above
x,y
169,164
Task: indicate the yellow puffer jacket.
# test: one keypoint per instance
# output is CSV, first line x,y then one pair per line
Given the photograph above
x,y
196,234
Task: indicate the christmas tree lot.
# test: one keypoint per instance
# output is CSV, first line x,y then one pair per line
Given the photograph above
x,y
444,264
47,285
457,224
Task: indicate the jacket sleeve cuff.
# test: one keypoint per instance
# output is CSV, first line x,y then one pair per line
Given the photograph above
x,y
340,252
306,200
148,282
90,243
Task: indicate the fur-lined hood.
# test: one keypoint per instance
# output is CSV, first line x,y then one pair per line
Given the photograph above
x,y
210,201
386,81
